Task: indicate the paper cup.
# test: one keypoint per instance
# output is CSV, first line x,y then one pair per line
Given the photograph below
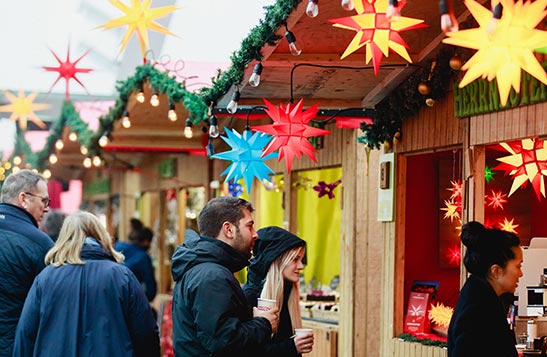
x,y
303,331
266,304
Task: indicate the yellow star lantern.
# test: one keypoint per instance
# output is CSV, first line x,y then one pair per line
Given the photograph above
x,y
507,49
508,226
139,17
376,31
23,108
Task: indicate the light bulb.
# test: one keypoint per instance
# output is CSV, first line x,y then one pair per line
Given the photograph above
x,y
140,97
97,161
188,133
347,5
53,159
213,129
72,136
172,114
126,122
312,10
46,174
293,47
232,106
393,12
154,100
17,160
254,80
103,141
448,20
87,162
59,145
83,150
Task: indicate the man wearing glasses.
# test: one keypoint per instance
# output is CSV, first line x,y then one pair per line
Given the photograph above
x,y
24,200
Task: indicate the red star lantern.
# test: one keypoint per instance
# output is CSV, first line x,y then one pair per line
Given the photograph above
x,y
290,131
527,163
376,31
68,71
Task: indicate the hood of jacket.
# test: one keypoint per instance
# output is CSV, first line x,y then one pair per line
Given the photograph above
x,y
198,249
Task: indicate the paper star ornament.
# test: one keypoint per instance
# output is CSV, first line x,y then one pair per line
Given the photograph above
x,y
508,226
376,32
496,200
68,71
502,53
291,131
22,108
139,18
246,156
326,188
527,162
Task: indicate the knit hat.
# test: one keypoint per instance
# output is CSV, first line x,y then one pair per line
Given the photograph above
x,y
271,243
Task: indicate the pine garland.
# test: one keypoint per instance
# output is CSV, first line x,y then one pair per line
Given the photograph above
x,y
424,341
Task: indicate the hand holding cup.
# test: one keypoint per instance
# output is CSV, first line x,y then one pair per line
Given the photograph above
x,y
303,340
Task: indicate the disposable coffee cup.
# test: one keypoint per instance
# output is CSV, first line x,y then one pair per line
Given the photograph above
x,y
303,331
266,304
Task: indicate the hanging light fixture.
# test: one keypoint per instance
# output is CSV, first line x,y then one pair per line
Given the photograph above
x,y
126,121
497,12
232,106
46,174
254,80
393,12
154,100
188,129
103,140
17,160
87,162
448,20
97,161
172,114
347,5
83,149
293,46
72,136
214,132
59,145
312,10
53,159
140,95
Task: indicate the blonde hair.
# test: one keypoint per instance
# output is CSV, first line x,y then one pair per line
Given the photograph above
x,y
275,283
76,228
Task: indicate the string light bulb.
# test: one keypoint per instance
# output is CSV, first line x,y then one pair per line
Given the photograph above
x,y
97,161
72,136
53,159
393,12
140,96
172,114
293,46
214,132
232,106
126,121
312,10
347,5
254,80
188,133
59,145
154,100
46,174
448,20
87,162
17,160
497,12
103,140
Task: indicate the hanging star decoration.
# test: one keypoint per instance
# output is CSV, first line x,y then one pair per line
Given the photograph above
x,y
291,131
246,156
527,163
440,314
498,54
235,189
22,108
376,32
488,174
451,209
454,255
326,188
508,226
68,71
456,190
496,200
138,18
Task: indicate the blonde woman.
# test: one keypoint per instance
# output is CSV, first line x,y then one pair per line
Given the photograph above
x,y
86,302
274,273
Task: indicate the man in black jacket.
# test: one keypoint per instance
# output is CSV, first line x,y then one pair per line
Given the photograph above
x,y
211,316
23,247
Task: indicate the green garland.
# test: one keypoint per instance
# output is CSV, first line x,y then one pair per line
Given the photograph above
x,y
424,341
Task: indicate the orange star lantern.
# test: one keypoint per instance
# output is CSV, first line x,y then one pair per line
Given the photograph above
x,y
527,163
68,71
23,108
138,18
291,131
376,32
506,48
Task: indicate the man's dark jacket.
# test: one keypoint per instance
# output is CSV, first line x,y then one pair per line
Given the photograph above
x,y
479,324
22,250
211,316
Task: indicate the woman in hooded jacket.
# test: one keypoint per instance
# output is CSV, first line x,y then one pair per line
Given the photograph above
x,y
274,273
86,302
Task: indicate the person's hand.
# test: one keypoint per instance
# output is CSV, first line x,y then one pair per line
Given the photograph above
x,y
304,343
272,315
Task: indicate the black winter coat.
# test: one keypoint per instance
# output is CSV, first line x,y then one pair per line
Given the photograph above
x,y
211,316
22,250
479,325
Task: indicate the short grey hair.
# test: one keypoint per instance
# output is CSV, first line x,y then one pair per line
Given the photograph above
x,y
17,182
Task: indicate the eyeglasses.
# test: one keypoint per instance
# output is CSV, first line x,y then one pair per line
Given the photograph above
x,y
45,200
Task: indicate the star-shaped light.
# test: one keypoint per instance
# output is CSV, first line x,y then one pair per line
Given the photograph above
x,y
67,70
508,226
291,131
23,108
451,209
246,157
527,163
456,190
326,188
504,52
496,200
139,17
488,174
440,314
454,255
376,32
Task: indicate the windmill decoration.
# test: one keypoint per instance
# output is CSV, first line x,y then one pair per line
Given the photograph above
x,y
497,54
246,156
68,71
377,31
138,18
291,131
22,108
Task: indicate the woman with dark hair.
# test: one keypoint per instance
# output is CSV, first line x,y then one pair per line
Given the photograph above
x,y
479,325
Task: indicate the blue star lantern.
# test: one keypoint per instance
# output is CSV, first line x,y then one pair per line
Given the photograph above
x,y
246,156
